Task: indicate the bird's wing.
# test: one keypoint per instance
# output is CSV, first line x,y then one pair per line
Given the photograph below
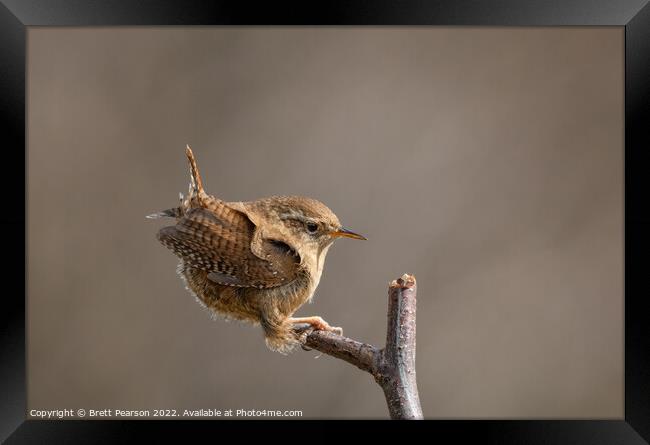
x,y
219,242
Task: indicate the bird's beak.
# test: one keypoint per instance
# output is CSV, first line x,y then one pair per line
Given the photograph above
x,y
343,232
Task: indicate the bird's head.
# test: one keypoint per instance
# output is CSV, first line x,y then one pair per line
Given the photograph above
x,y
308,223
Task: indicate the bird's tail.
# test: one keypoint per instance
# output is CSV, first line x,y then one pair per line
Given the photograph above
x,y
196,183
196,192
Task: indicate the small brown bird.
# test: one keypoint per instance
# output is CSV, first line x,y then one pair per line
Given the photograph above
x,y
255,261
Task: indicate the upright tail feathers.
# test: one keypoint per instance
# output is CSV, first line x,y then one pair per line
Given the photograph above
x,y
196,184
196,193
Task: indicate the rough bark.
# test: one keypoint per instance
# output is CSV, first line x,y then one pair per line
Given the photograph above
x,y
393,367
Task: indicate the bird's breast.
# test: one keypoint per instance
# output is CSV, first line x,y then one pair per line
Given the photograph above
x,y
315,265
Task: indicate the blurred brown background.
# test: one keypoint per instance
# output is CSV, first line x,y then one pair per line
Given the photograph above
x,y
486,161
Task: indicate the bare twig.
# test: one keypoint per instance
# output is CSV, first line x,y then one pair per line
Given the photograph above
x,y
392,367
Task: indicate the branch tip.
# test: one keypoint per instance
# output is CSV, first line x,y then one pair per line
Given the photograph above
x,y
406,281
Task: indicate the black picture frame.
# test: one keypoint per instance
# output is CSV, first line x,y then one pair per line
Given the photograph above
x,y
633,15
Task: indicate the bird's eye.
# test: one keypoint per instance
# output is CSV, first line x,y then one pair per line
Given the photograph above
x,y
312,227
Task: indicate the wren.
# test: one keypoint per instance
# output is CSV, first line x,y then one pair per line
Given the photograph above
x,y
256,261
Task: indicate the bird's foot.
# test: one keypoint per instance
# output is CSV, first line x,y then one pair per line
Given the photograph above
x,y
302,331
317,324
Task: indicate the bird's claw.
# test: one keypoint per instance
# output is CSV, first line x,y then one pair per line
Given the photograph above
x,y
303,330
302,338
